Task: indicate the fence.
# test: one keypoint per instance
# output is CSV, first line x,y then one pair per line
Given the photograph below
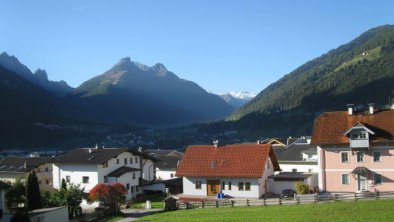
x,y
300,199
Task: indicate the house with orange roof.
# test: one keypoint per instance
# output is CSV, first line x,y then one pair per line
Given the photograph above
x,y
239,170
355,150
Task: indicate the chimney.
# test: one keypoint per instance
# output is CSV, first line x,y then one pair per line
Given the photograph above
x,y
90,150
371,108
392,106
258,141
96,146
140,149
25,164
350,109
215,143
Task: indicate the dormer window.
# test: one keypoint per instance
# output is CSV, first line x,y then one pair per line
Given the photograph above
x,y
359,136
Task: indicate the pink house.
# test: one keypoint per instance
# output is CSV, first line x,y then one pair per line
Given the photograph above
x,y
356,150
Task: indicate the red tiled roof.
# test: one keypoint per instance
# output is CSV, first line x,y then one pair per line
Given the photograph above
x,y
329,127
239,160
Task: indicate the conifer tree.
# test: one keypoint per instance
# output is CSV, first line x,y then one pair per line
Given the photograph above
x,y
33,196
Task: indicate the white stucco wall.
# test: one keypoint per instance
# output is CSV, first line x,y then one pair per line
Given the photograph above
x,y
148,170
127,178
288,167
76,172
164,174
112,165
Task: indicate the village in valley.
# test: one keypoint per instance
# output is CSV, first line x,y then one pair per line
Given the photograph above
x,y
348,156
196,111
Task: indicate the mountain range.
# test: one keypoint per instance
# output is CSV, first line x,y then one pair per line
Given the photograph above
x,y
237,99
133,94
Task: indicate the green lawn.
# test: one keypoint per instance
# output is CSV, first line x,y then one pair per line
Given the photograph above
x,y
371,210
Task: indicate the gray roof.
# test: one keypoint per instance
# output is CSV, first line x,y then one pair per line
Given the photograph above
x,y
294,152
161,153
291,176
17,164
168,158
122,170
96,156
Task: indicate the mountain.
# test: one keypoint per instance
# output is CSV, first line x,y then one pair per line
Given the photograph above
x,y
133,93
39,77
237,99
358,72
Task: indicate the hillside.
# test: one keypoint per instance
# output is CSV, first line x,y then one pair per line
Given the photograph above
x,y
358,72
133,93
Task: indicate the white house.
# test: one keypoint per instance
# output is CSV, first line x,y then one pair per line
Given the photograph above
x,y
239,170
166,167
298,157
91,166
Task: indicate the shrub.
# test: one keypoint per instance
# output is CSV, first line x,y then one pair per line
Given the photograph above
x,y
301,188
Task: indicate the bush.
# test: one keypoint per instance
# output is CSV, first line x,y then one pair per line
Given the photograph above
x,y
301,188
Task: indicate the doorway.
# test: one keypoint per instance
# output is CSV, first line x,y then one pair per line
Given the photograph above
x,y
212,187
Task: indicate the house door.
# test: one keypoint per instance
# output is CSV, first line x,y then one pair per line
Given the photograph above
x,y
361,182
213,187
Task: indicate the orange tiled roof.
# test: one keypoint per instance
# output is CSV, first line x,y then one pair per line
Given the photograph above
x,y
329,127
239,160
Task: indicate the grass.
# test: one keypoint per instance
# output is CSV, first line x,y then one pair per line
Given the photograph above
x,y
157,203
369,56
371,210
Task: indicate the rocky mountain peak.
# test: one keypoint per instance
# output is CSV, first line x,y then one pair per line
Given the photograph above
x,y
41,75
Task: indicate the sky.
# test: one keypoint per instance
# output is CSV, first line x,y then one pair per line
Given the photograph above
x,y
222,45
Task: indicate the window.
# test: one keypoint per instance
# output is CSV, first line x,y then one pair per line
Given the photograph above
x,y
241,186
172,175
136,159
223,185
198,185
132,189
117,161
39,182
294,170
127,186
131,160
377,178
345,179
309,170
345,157
360,156
229,185
125,161
68,179
247,186
133,176
136,188
105,179
46,182
363,135
46,169
377,157
85,179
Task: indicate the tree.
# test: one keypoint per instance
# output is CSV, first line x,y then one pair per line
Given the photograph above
x,y
112,196
73,195
64,185
16,197
301,188
33,196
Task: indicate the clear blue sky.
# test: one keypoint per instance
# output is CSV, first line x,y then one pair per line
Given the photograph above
x,y
221,45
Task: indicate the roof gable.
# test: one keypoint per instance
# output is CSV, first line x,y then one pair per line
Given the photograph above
x,y
329,128
239,160
359,126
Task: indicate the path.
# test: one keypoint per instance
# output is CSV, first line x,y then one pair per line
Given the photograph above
x,y
134,214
